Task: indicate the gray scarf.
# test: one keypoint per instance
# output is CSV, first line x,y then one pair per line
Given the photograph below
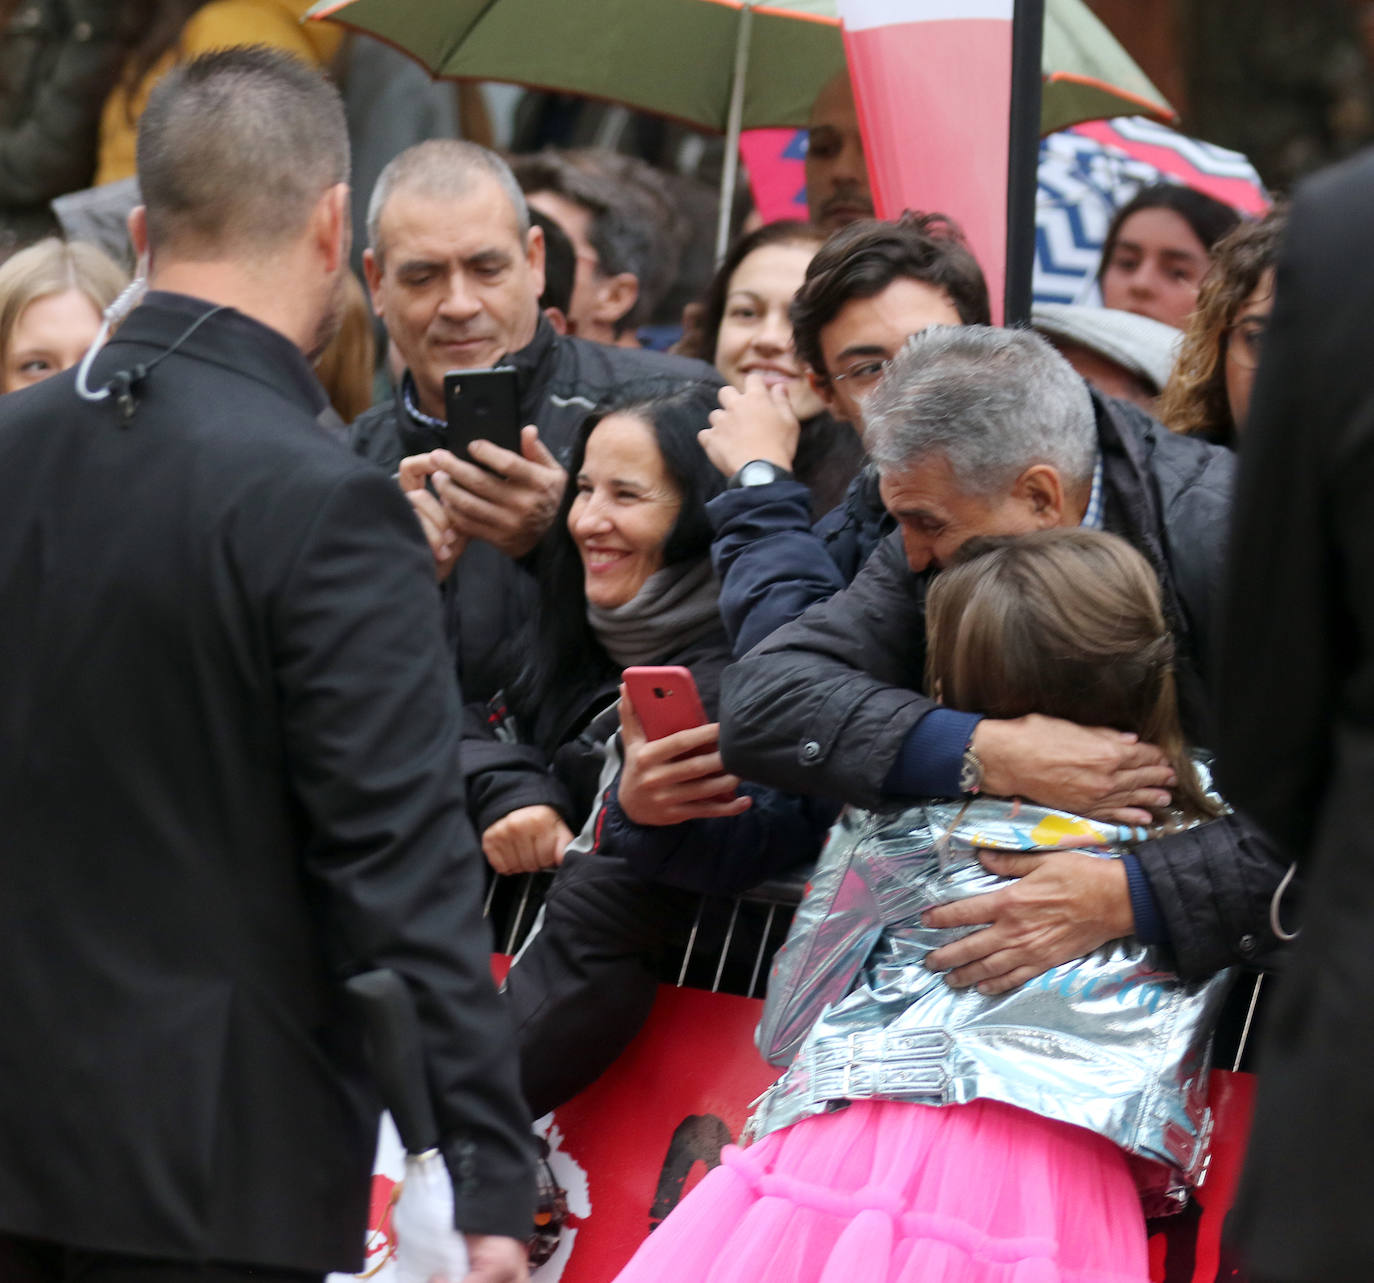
x,y
675,606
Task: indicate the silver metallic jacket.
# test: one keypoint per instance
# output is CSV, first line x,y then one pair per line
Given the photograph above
x,y
1114,1042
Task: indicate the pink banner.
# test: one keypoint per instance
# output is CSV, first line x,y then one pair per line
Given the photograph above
x,y
932,83
776,161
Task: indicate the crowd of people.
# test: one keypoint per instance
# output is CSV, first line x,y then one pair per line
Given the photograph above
x,y
318,668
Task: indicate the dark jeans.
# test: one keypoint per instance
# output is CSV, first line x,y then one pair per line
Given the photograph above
x,y
26,1260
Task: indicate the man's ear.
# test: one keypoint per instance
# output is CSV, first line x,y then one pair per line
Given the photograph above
x,y
557,319
822,387
534,253
1041,489
615,296
138,230
372,273
333,227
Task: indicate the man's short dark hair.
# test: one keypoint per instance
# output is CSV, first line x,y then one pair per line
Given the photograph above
x,y
863,259
560,263
236,147
621,229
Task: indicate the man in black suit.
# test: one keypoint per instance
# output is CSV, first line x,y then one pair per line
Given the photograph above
x,y
1297,731
230,737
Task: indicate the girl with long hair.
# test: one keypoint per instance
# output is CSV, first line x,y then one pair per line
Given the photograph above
x,y
926,1134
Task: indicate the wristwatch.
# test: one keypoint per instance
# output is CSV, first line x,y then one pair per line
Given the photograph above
x,y
971,772
758,472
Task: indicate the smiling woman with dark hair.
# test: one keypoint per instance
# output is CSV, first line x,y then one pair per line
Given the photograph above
x,y
744,327
625,579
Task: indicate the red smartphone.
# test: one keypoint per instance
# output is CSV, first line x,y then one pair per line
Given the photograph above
x,y
665,698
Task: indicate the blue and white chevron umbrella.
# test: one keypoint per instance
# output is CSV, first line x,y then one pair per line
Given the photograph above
x,y
1088,172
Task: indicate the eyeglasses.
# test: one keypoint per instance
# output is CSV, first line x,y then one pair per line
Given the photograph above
x,y
862,375
1246,343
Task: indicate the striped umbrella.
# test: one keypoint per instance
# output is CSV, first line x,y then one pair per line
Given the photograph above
x,y
1088,172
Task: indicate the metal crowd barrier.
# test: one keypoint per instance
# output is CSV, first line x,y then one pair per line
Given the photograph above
x,y
729,947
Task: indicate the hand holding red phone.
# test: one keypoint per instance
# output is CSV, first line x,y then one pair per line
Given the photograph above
x,y
677,778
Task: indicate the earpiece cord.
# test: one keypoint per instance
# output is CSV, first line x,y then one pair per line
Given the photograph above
x,y
1276,903
116,312
122,384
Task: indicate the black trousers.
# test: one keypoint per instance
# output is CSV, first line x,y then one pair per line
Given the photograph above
x,y
26,1260
583,985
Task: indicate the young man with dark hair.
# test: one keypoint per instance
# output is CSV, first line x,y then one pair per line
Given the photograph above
x,y
614,241
869,287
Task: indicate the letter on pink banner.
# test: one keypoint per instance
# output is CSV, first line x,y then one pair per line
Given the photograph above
x,y
775,159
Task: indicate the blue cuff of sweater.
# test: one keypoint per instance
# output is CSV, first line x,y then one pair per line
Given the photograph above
x,y
931,756
1150,927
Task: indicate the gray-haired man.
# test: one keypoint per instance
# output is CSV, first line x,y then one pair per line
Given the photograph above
x,y
979,431
455,272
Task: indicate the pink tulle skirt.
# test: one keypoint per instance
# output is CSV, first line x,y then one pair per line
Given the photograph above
x,y
886,1192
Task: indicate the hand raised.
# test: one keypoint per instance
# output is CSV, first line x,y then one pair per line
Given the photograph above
x,y
757,423
677,778
511,509
1093,771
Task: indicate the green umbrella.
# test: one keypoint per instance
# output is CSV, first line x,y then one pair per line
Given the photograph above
x,y
722,65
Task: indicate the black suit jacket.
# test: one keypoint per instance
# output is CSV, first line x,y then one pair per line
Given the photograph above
x,y
1297,728
230,743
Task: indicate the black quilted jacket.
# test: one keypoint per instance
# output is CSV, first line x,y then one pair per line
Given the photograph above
x,y
823,705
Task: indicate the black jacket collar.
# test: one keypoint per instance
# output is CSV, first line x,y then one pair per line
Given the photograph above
x,y
229,339
533,365
1132,509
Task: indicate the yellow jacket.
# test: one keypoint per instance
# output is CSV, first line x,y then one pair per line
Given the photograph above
x,y
219,24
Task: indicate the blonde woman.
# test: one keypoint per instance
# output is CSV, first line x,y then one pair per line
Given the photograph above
x,y
51,298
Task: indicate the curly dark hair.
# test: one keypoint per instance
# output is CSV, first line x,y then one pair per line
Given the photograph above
x,y
1194,402
863,259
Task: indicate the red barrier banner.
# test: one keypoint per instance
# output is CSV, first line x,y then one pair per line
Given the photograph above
x,y
1188,1248
626,1151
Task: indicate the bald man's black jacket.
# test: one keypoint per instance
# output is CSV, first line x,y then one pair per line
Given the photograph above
x,y
229,732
